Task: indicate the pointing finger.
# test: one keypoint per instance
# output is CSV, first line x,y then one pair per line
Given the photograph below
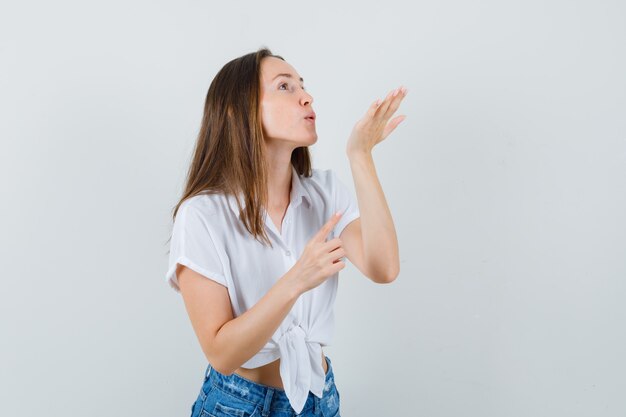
x,y
326,229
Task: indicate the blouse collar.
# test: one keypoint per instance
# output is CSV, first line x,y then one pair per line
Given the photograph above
x,y
298,192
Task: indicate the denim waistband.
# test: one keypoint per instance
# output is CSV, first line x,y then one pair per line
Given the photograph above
x,y
270,398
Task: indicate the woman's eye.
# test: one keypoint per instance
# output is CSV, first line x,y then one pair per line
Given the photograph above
x,y
280,85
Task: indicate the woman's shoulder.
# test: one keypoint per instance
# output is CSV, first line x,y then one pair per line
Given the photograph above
x,y
320,176
319,186
204,203
324,179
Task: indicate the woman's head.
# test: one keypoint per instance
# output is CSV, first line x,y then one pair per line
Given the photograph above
x,y
285,106
249,112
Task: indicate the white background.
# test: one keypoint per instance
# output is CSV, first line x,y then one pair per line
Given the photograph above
x,y
506,182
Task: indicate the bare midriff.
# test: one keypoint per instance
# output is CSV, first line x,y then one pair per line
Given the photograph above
x,y
269,374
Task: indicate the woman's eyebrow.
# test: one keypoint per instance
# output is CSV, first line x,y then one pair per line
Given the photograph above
x,y
286,75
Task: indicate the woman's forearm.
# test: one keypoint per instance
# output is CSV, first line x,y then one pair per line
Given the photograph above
x,y
380,242
243,337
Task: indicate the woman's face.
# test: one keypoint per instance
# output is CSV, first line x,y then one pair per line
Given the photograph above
x,y
285,105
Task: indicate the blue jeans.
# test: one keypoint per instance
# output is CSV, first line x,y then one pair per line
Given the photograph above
x,y
236,396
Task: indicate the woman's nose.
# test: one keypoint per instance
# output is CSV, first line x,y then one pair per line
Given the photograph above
x,y
306,98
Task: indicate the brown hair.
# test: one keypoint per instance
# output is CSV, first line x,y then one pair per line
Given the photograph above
x,y
229,155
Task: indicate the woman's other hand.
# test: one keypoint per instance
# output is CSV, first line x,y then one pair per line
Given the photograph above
x,y
375,126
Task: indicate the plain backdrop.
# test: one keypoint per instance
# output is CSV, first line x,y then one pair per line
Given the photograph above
x,y
506,183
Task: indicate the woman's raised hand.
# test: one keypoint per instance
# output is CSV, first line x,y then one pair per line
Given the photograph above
x,y
375,125
320,258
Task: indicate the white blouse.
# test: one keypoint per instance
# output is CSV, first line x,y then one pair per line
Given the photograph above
x,y
209,237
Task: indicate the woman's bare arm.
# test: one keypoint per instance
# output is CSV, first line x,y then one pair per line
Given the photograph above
x,y
229,342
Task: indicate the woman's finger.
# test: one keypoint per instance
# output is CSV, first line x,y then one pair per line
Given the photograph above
x,y
395,103
391,126
372,110
382,109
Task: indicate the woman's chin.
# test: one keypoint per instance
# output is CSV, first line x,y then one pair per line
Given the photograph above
x,y
308,141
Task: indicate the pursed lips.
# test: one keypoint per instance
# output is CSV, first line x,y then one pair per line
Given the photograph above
x,y
310,117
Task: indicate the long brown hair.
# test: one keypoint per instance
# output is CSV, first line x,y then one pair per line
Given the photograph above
x,y
229,155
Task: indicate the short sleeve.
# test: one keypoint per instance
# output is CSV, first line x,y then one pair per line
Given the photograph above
x,y
193,246
345,202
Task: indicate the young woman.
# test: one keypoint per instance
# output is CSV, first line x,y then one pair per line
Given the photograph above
x,y
249,250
